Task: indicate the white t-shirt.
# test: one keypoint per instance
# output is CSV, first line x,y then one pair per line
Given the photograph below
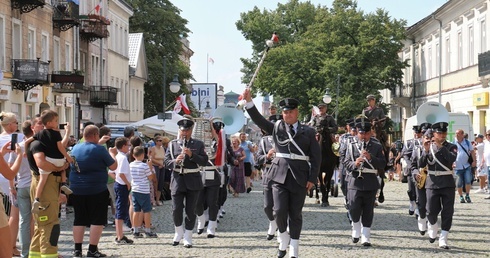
x,y
140,173
486,152
479,153
122,168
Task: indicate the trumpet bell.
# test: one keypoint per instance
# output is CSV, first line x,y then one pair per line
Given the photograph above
x,y
233,118
432,112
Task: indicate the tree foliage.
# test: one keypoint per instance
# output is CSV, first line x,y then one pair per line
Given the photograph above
x,y
317,45
162,28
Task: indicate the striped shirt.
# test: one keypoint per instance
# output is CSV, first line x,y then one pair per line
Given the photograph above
x,y
140,172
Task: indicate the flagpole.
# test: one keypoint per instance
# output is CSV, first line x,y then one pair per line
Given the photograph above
x,y
207,67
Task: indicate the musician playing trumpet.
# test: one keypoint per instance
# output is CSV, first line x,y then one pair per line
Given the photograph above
x,y
364,153
439,156
418,174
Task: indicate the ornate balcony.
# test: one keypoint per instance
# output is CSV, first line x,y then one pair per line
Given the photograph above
x,y
68,82
101,96
65,15
26,6
93,27
28,73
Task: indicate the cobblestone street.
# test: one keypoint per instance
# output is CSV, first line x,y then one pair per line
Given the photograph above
x,y
326,232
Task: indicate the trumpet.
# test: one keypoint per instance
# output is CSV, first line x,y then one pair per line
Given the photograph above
x,y
362,163
422,178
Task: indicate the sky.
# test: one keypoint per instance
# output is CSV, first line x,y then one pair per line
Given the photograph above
x,y
214,33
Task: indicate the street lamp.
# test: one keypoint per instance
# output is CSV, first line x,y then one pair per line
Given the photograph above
x,y
208,109
174,87
326,98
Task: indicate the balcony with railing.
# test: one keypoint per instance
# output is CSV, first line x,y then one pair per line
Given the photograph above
x,y
28,73
101,96
93,27
65,14
68,82
26,6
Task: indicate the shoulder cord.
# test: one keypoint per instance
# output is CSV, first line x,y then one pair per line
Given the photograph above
x,y
438,162
369,163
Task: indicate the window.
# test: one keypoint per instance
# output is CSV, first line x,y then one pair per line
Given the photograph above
x,y
429,63
483,36
460,50
93,77
29,111
31,43
2,42
44,47
67,57
438,59
16,108
448,55
56,55
103,72
16,39
471,46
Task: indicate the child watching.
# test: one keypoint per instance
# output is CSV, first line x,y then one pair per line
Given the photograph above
x,y
122,186
55,151
142,176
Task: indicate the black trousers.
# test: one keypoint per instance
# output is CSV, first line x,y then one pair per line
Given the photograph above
x,y
361,203
421,201
441,200
412,195
268,201
190,208
289,199
208,198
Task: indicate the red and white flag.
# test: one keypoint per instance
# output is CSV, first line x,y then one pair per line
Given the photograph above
x,y
211,60
181,103
98,6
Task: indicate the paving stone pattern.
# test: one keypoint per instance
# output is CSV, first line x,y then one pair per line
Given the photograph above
x,y
326,232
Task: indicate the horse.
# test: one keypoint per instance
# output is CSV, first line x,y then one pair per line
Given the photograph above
x,y
382,137
329,162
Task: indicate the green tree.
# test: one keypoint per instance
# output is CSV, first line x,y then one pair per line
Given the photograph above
x,y
163,28
318,44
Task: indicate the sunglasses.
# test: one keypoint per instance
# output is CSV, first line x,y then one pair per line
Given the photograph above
x,y
159,140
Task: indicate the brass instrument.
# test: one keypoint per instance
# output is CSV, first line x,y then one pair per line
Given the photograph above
x,y
184,145
336,148
202,131
422,178
362,163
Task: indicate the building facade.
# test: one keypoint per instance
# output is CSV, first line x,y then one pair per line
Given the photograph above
x,y
442,50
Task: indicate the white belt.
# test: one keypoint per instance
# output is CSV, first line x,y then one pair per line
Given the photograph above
x,y
440,173
292,156
210,168
187,170
369,171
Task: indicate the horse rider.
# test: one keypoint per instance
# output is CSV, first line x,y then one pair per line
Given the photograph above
x,y
185,156
363,158
273,114
420,190
325,127
407,156
440,186
294,169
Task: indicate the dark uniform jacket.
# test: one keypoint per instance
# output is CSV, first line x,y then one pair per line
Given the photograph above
x,y
189,181
370,181
324,125
375,113
228,158
447,156
344,140
304,137
265,145
407,151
